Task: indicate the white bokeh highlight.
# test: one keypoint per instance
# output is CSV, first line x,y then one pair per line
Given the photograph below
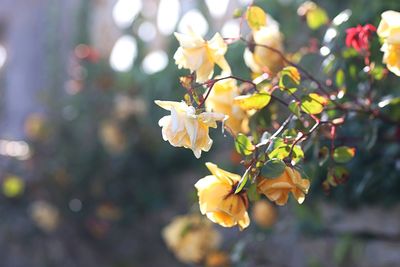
x,y
125,12
155,62
194,20
168,16
123,54
217,8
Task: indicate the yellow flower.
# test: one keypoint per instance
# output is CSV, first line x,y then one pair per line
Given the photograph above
x,y
389,30
191,238
221,100
45,215
261,59
218,200
185,128
218,259
391,57
200,56
112,137
278,189
264,214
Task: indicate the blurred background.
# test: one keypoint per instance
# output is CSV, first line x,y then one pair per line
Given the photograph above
x,y
86,179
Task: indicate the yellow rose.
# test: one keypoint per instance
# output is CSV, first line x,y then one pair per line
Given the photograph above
x,y
200,56
191,238
218,200
391,57
389,31
264,214
277,189
261,59
221,100
185,128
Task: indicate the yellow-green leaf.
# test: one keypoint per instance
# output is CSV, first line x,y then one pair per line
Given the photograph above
x,y
252,192
242,182
243,145
290,78
316,17
339,77
237,13
255,101
313,103
343,154
294,107
256,17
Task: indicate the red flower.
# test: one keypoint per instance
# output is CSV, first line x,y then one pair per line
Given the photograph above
x,y
358,37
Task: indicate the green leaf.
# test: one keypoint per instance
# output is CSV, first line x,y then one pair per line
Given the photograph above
x,y
273,168
290,78
297,153
294,107
256,17
316,17
243,145
252,192
339,77
378,72
255,101
343,154
281,150
237,13
313,103
242,181
337,175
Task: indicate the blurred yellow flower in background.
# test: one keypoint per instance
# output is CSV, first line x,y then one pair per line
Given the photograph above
x,y
261,59
185,128
191,238
389,31
35,127
218,200
45,215
221,100
218,259
112,137
278,189
200,56
264,214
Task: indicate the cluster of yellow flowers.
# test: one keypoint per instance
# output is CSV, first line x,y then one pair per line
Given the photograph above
x,y
185,127
220,203
223,196
389,31
188,127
